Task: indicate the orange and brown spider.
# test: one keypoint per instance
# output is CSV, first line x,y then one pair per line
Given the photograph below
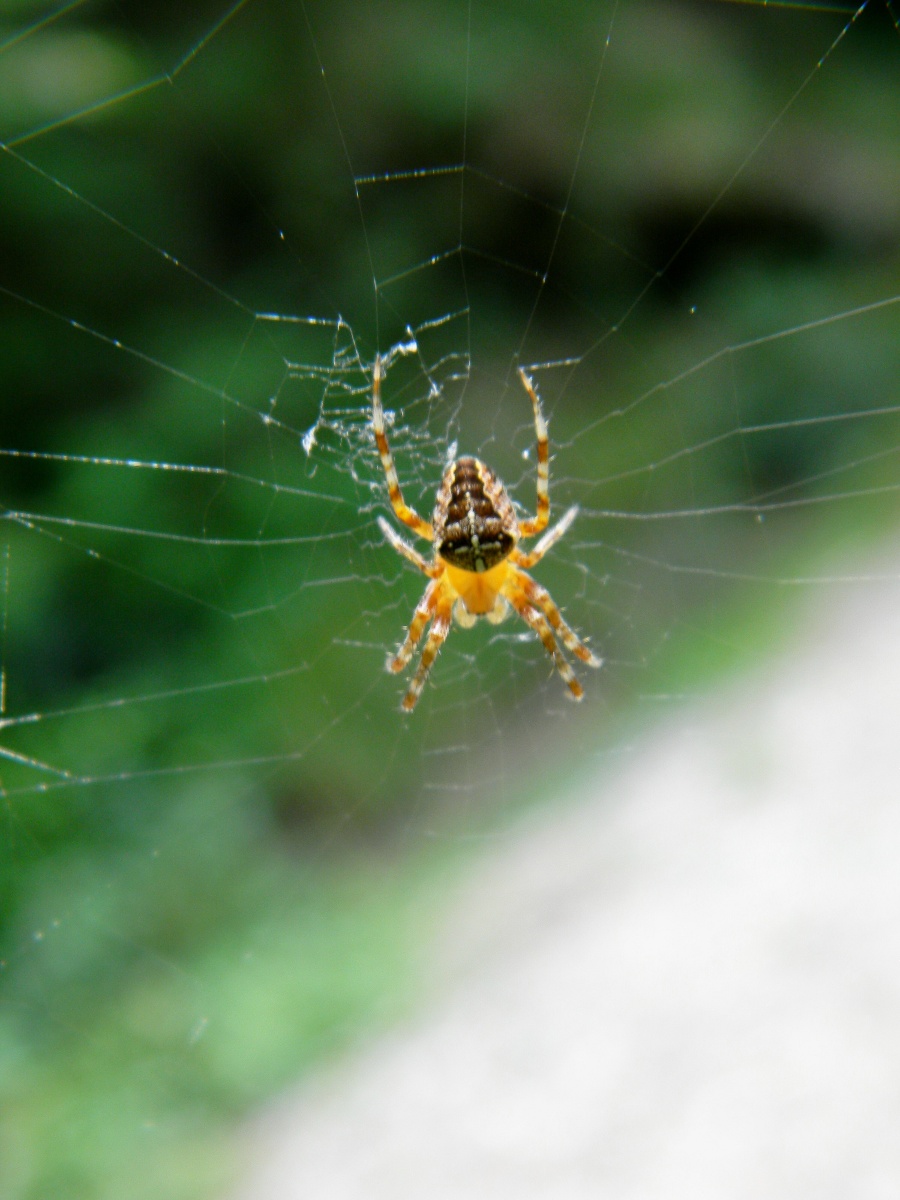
x,y
476,569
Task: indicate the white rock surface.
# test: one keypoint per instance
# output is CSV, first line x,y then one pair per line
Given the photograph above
x,y
685,983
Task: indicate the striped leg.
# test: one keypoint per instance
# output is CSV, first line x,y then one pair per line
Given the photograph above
x,y
550,538
421,617
439,630
404,548
541,598
407,515
539,522
538,623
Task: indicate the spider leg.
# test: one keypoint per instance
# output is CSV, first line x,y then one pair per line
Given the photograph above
x,y
423,614
539,597
538,523
407,515
539,624
550,538
439,630
408,552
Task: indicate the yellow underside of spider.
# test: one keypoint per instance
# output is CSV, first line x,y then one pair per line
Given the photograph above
x,y
478,593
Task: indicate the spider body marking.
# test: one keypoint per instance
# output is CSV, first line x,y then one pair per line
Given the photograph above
x,y
474,523
476,569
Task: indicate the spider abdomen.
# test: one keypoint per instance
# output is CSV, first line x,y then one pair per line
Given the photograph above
x,y
475,525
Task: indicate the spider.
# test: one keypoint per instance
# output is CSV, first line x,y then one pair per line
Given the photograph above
x,y
476,569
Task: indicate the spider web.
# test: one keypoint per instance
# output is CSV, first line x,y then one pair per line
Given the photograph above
x,y
217,219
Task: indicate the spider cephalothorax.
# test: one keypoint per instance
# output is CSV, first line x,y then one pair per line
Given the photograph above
x,y
476,568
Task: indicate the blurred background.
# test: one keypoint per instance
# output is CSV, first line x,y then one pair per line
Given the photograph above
x,y
221,845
